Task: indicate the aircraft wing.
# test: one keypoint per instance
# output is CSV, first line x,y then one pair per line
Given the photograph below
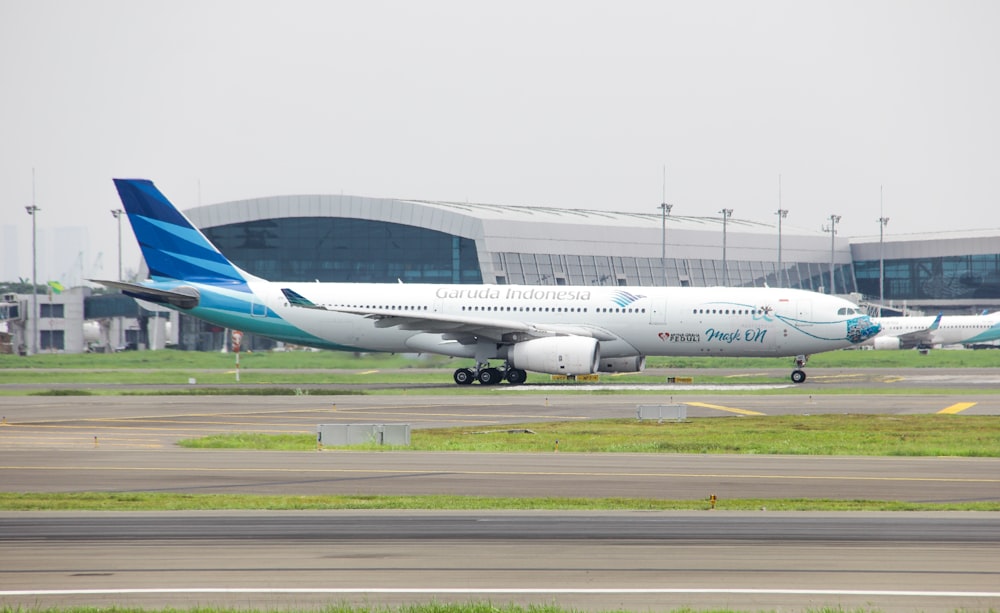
x,y
463,328
921,338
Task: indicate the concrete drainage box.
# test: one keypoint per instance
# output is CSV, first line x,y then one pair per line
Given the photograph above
x,y
662,412
342,435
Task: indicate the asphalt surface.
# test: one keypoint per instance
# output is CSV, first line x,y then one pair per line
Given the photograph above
x,y
586,561
589,561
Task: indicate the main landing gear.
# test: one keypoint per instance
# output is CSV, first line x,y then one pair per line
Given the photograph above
x,y
487,375
799,375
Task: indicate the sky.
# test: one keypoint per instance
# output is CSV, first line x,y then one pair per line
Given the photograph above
x,y
849,105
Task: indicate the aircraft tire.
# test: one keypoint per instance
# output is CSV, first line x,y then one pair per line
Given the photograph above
x,y
464,376
516,376
490,376
798,376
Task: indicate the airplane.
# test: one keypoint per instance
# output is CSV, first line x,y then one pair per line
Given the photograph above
x,y
564,330
924,332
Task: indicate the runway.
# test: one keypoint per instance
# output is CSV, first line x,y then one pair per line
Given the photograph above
x,y
586,561
589,561
569,475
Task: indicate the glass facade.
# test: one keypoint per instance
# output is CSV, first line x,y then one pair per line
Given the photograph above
x,y
554,269
337,249
53,311
51,340
940,278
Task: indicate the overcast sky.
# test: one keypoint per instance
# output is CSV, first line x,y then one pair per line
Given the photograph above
x,y
565,103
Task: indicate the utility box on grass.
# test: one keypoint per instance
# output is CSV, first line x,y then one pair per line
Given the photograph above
x,y
341,435
661,412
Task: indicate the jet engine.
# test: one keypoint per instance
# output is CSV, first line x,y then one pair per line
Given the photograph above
x,y
632,363
557,355
886,343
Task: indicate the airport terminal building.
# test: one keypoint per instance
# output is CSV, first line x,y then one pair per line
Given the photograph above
x,y
354,239
332,238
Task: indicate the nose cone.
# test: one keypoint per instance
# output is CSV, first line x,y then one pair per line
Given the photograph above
x,y
861,329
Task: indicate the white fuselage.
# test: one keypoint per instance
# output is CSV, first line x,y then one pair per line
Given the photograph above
x,y
627,321
950,330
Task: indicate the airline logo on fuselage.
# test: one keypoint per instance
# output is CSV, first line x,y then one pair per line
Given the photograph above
x,y
512,293
623,299
620,298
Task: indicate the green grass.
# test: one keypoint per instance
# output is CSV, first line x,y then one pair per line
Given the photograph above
x,y
860,435
141,501
199,360
338,360
330,369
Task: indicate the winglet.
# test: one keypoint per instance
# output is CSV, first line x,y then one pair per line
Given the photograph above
x,y
937,322
298,300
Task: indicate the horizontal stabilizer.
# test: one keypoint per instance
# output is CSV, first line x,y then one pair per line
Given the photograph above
x,y
183,297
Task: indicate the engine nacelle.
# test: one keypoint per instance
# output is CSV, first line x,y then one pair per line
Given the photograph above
x,y
632,363
886,343
557,355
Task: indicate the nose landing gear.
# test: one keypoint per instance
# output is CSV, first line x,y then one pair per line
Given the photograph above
x,y
799,375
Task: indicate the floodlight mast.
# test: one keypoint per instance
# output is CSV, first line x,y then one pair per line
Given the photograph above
x,y
832,229
32,210
726,214
665,210
781,213
117,214
883,221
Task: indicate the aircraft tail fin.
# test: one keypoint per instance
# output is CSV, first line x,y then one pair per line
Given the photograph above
x,y
174,249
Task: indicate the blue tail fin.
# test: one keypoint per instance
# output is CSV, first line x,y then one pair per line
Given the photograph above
x,y
172,247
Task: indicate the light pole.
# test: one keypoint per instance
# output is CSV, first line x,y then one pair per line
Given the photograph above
x,y
665,209
117,214
726,214
32,210
781,213
832,229
882,222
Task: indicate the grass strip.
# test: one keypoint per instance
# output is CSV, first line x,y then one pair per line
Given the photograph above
x,y
331,360
161,501
834,434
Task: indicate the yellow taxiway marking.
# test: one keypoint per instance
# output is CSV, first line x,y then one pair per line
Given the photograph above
x,y
956,408
722,408
840,376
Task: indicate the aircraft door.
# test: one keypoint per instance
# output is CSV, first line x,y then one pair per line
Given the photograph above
x,y
803,313
258,306
658,310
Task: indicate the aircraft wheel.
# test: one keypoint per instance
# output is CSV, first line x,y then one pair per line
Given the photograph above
x,y
798,376
464,376
490,376
516,376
